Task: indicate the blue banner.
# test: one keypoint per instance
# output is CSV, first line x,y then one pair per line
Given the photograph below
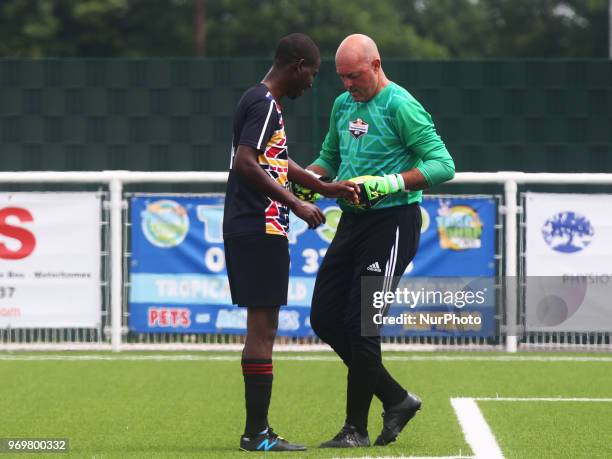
x,y
178,280
457,238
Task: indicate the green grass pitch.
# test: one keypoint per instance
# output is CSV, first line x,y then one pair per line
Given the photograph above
x,y
195,408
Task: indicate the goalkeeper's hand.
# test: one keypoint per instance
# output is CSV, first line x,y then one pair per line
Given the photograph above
x,y
373,189
306,194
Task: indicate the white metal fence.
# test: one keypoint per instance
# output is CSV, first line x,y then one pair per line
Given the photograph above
x,y
114,335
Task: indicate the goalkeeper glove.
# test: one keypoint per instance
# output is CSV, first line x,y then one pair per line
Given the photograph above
x,y
373,189
306,194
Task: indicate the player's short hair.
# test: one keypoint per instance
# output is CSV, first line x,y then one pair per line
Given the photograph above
x,y
294,47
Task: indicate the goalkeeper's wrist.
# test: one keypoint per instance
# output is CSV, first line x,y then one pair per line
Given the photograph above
x,y
396,182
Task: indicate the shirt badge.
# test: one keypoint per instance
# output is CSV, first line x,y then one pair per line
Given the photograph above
x,y
358,128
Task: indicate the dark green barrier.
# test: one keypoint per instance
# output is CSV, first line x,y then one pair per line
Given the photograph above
x,y
176,114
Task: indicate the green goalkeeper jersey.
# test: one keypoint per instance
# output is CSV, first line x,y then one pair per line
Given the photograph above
x,y
390,133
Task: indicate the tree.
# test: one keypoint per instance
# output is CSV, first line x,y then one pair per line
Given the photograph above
x,y
402,28
246,27
96,28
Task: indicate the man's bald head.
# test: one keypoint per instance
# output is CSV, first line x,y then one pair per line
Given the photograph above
x,y
358,66
359,47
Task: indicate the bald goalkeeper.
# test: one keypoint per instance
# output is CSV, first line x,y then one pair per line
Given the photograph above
x,y
382,137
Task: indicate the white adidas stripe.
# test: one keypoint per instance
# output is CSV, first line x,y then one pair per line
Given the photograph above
x,y
390,268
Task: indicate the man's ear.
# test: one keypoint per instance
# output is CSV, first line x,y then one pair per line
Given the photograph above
x,y
299,65
376,64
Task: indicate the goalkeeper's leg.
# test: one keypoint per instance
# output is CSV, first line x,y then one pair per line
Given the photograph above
x,y
388,240
330,302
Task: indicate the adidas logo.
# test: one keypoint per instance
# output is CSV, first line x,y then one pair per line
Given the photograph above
x,y
374,267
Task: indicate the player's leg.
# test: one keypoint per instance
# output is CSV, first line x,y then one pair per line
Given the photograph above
x,y
363,359
382,250
258,273
331,291
328,312
262,324
399,405
329,303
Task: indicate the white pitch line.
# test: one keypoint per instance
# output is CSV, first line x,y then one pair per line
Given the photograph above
x,y
409,457
501,358
298,357
541,399
17,356
476,430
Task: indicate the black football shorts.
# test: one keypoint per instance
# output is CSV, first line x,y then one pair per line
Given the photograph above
x,y
258,269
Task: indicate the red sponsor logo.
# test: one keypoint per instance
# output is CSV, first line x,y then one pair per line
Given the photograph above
x,y
169,317
25,237
10,312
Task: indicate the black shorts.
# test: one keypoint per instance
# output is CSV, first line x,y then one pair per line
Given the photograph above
x,y
258,269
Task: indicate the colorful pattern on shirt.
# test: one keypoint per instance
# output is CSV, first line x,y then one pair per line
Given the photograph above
x,y
258,123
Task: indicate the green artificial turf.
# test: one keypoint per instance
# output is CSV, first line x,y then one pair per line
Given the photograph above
x,y
551,429
195,408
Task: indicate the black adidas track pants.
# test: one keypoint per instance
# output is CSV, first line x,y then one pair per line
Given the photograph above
x,y
378,243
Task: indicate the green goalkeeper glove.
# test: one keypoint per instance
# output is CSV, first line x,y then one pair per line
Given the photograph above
x,y
306,194
374,189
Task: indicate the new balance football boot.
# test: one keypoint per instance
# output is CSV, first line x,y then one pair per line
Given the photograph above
x,y
268,440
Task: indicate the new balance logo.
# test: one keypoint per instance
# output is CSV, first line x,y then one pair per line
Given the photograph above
x,y
374,267
266,445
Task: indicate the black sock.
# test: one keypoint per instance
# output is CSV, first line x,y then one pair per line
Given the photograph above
x,y
257,392
388,390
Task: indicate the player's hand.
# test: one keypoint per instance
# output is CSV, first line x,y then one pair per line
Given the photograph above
x,y
308,212
347,190
373,189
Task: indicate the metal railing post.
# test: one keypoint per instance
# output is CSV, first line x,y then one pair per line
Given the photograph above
x,y
116,211
510,191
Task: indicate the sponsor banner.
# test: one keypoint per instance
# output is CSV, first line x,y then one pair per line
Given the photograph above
x,y
457,238
50,260
457,241
163,318
203,289
568,303
568,234
567,262
178,259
